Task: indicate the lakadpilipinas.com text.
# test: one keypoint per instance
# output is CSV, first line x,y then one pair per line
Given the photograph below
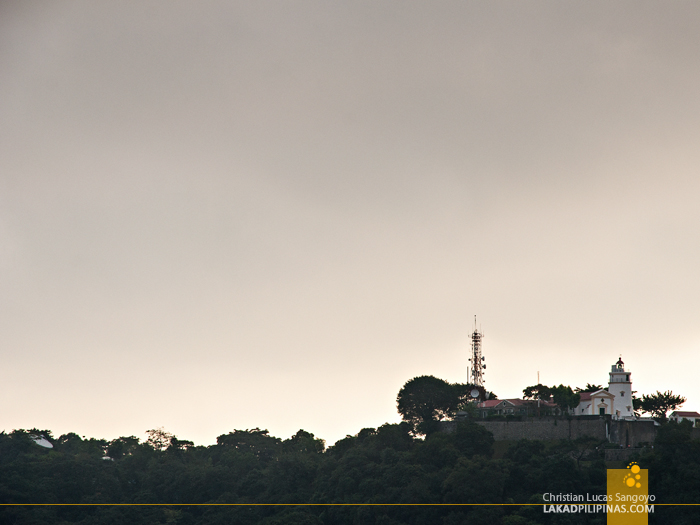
x,y
598,503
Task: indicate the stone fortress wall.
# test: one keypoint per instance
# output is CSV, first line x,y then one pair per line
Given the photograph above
x,y
622,432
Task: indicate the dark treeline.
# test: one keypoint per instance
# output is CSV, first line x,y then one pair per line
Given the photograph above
x,y
387,465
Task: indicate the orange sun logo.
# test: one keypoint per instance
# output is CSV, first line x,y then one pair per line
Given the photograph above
x,y
632,479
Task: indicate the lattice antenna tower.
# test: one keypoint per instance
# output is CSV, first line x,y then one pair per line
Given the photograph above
x,y
477,360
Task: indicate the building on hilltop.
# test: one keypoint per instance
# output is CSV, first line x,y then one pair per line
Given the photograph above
x,y
620,385
606,414
616,400
678,416
517,407
594,403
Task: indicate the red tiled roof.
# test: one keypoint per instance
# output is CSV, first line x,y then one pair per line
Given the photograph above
x,y
586,396
685,414
518,402
489,403
522,402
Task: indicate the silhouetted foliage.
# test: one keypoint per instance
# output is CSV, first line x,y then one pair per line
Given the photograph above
x,y
565,398
538,391
562,395
589,388
384,465
659,404
425,400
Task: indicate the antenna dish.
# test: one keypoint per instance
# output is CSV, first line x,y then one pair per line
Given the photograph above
x,y
41,441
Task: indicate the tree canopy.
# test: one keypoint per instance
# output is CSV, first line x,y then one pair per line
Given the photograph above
x,y
387,466
562,395
589,388
425,400
538,391
565,398
658,404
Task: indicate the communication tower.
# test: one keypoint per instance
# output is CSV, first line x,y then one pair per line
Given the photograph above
x,y
476,375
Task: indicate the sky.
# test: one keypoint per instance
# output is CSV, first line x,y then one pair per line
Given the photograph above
x,y
228,215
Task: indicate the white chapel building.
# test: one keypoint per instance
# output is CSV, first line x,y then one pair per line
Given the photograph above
x,y
615,401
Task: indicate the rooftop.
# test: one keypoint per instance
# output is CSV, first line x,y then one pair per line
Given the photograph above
x,y
685,414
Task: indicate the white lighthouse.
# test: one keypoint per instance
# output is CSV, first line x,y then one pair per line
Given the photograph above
x,y
620,385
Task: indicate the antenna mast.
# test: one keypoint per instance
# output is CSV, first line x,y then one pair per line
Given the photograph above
x,y
477,360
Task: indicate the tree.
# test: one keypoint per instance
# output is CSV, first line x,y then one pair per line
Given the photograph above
x,y
636,404
180,444
425,400
561,395
253,441
304,442
122,446
659,404
159,439
589,388
538,391
565,397
470,438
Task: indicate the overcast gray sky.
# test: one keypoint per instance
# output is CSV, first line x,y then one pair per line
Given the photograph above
x,y
219,215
